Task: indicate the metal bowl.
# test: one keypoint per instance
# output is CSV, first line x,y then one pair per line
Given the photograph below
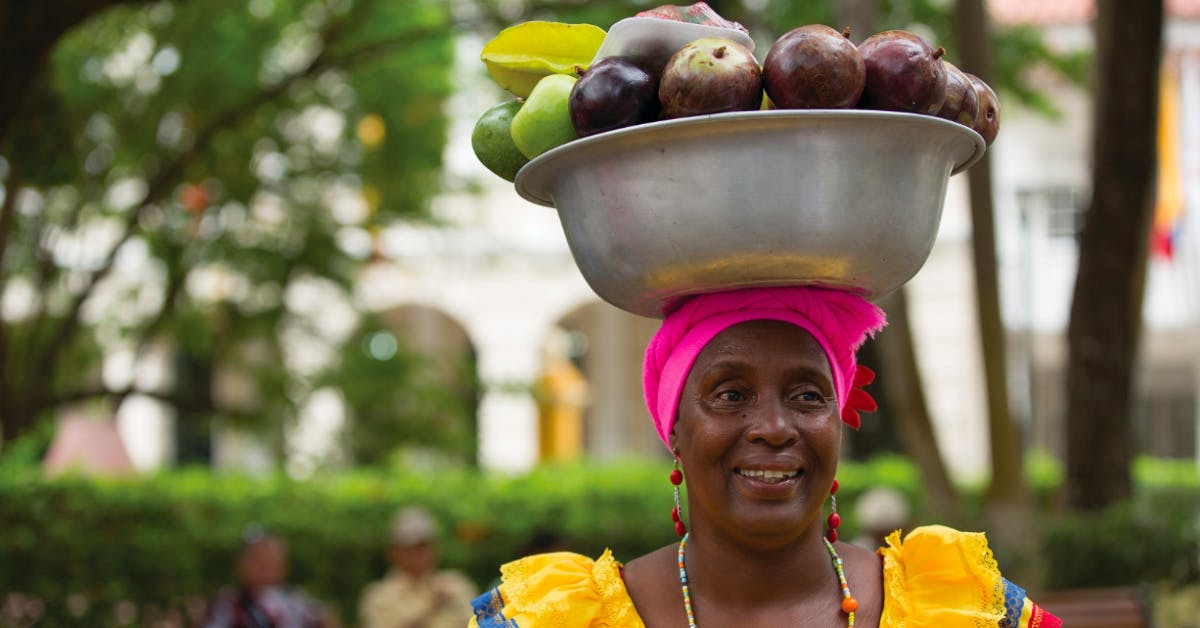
x,y
841,198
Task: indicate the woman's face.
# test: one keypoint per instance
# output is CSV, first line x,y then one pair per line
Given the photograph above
x,y
758,431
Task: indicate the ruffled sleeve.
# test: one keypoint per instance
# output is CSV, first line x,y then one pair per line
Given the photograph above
x,y
557,589
941,577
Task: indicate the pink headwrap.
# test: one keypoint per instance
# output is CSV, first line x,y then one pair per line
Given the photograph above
x,y
838,320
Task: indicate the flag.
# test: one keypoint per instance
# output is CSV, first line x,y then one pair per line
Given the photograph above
x,y
1168,203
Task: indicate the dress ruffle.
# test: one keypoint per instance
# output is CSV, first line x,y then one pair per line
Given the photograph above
x,y
937,576
559,589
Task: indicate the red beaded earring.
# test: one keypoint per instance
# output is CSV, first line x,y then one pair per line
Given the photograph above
x,y
677,512
834,520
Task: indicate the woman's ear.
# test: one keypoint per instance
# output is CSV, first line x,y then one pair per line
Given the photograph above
x,y
674,441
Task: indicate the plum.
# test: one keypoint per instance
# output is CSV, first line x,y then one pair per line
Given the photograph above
x,y
987,121
710,75
614,93
903,73
962,101
814,67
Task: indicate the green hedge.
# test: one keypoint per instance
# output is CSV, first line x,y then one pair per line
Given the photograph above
x,y
94,550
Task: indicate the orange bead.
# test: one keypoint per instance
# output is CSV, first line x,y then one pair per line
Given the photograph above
x,y
849,604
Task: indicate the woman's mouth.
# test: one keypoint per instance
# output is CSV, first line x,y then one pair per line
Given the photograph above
x,y
770,476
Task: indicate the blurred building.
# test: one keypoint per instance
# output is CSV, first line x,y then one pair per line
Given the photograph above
x,y
1043,181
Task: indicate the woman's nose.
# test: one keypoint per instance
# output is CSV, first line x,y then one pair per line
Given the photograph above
x,y
771,423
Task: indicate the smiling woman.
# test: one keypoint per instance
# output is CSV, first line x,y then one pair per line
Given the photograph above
x,y
749,389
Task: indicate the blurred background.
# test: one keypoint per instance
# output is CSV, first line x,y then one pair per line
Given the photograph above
x,y
251,272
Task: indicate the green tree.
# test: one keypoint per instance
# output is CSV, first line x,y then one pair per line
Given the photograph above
x,y
174,172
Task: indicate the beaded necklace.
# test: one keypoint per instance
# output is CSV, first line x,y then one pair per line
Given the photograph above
x,y
849,604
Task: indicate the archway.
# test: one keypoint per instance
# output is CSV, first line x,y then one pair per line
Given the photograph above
x,y
429,411
607,345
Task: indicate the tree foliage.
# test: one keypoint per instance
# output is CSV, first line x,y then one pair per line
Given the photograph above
x,y
182,171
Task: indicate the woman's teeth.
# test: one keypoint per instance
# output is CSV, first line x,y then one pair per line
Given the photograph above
x,y
771,477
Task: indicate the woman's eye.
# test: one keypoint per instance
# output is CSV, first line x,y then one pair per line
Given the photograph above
x,y
731,395
810,399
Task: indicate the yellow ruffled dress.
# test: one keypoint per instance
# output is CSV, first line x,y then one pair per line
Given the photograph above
x,y
935,576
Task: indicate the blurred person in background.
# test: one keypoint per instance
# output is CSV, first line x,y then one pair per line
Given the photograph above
x,y
262,598
415,593
880,511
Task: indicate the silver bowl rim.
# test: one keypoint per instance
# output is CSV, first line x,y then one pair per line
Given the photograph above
x,y
533,179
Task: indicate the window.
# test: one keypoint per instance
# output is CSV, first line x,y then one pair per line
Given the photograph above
x,y
1055,211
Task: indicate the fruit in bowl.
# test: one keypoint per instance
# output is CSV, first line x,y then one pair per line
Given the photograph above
x,y
544,121
903,73
962,101
710,75
814,67
491,139
680,62
614,93
987,120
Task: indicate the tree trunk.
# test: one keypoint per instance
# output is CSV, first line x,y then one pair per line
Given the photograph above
x,y
905,394
861,16
28,32
1008,480
1103,333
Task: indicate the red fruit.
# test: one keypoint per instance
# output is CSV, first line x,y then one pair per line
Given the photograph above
x,y
814,67
987,120
962,102
710,75
903,73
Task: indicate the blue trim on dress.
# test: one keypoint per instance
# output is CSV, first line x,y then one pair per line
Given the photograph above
x,y
489,609
1014,603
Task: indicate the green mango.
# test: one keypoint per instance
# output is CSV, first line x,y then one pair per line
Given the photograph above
x,y
493,143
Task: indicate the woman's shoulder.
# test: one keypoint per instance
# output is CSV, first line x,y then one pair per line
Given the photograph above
x,y
557,589
940,575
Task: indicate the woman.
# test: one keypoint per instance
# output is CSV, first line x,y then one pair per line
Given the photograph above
x,y
749,389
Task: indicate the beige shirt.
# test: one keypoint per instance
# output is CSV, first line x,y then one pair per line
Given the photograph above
x,y
400,601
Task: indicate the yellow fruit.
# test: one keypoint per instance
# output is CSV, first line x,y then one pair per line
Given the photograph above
x,y
544,121
519,56
493,144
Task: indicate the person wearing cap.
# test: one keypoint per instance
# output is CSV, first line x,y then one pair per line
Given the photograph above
x,y
749,390
414,593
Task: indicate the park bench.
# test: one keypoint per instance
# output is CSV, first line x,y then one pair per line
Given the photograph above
x,y
1117,607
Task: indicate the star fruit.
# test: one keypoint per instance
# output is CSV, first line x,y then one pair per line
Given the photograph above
x,y
521,55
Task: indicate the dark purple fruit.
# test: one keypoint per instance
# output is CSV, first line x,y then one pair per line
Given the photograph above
x,y
814,67
903,73
710,75
614,93
987,120
962,103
